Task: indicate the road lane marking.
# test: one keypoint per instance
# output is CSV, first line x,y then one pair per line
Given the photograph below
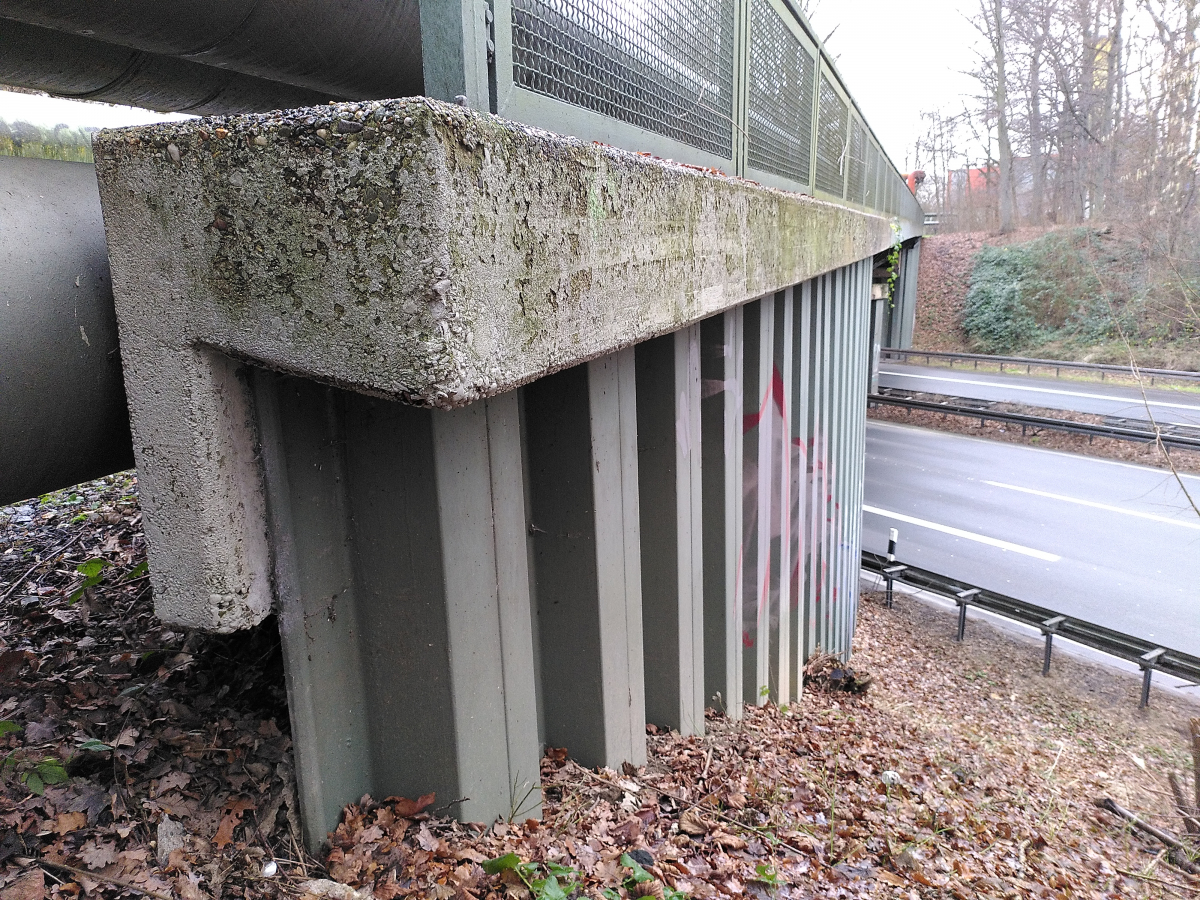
x,y
958,532
1095,505
1137,401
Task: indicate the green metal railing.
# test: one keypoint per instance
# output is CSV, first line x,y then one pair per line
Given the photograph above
x,y
743,86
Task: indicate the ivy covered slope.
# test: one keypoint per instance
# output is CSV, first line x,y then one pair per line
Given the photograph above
x,y
1083,293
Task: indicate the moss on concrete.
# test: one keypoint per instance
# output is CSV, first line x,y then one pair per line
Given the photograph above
x,y
430,253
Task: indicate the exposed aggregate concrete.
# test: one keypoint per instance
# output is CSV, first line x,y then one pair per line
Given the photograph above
x,y
436,255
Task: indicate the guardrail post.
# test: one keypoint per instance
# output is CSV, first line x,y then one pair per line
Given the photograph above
x,y
1146,661
1049,627
963,599
889,575
668,468
581,439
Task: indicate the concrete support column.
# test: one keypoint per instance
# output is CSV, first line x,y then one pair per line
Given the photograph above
x,y
912,264
722,356
670,503
581,439
401,569
878,308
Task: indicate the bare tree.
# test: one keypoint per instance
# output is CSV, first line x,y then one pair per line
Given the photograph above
x,y
994,28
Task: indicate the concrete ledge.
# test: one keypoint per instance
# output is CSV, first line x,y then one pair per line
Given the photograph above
x,y
432,254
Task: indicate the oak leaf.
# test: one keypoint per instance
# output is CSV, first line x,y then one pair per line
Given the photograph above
x,y
96,854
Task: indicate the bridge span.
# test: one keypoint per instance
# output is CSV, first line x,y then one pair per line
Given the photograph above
x,y
525,438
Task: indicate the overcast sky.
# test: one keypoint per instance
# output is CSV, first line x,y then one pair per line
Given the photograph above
x,y
897,59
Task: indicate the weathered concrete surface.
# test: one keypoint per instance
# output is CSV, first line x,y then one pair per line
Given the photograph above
x,y
407,249
435,254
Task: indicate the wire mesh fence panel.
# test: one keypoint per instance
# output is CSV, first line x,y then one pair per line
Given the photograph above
x,y
871,186
857,179
831,140
662,65
781,97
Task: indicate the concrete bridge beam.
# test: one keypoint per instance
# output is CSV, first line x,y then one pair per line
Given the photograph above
x,y
432,387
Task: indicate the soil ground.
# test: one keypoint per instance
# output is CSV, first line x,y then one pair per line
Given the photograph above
x,y
144,761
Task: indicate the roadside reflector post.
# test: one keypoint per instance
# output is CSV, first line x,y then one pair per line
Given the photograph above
x,y
1049,628
893,536
963,599
1147,663
889,575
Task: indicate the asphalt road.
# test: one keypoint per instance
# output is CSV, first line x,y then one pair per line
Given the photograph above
x,y
1167,406
1105,541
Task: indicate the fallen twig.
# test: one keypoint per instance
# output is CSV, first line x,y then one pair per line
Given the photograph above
x,y
52,556
1159,881
1186,812
1107,803
96,876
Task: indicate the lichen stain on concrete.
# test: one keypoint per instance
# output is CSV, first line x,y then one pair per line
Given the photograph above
x,y
438,255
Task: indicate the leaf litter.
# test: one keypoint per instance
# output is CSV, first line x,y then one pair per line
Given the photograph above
x,y
926,769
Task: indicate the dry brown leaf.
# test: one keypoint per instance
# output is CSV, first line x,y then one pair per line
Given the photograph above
x,y
890,878
727,841
693,823
69,821
406,808
30,886
96,854
233,816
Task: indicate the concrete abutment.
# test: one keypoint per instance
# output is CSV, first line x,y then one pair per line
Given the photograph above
x,y
526,441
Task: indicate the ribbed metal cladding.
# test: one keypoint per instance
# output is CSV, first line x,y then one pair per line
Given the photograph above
x,y
662,65
831,140
781,97
858,162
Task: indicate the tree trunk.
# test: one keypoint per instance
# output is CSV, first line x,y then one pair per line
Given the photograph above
x,y
1000,97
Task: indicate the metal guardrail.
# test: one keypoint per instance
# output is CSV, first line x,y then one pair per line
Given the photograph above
x,y
1171,435
1030,364
1148,656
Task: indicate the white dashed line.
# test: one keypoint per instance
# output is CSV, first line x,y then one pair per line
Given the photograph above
x,y
958,532
1094,505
